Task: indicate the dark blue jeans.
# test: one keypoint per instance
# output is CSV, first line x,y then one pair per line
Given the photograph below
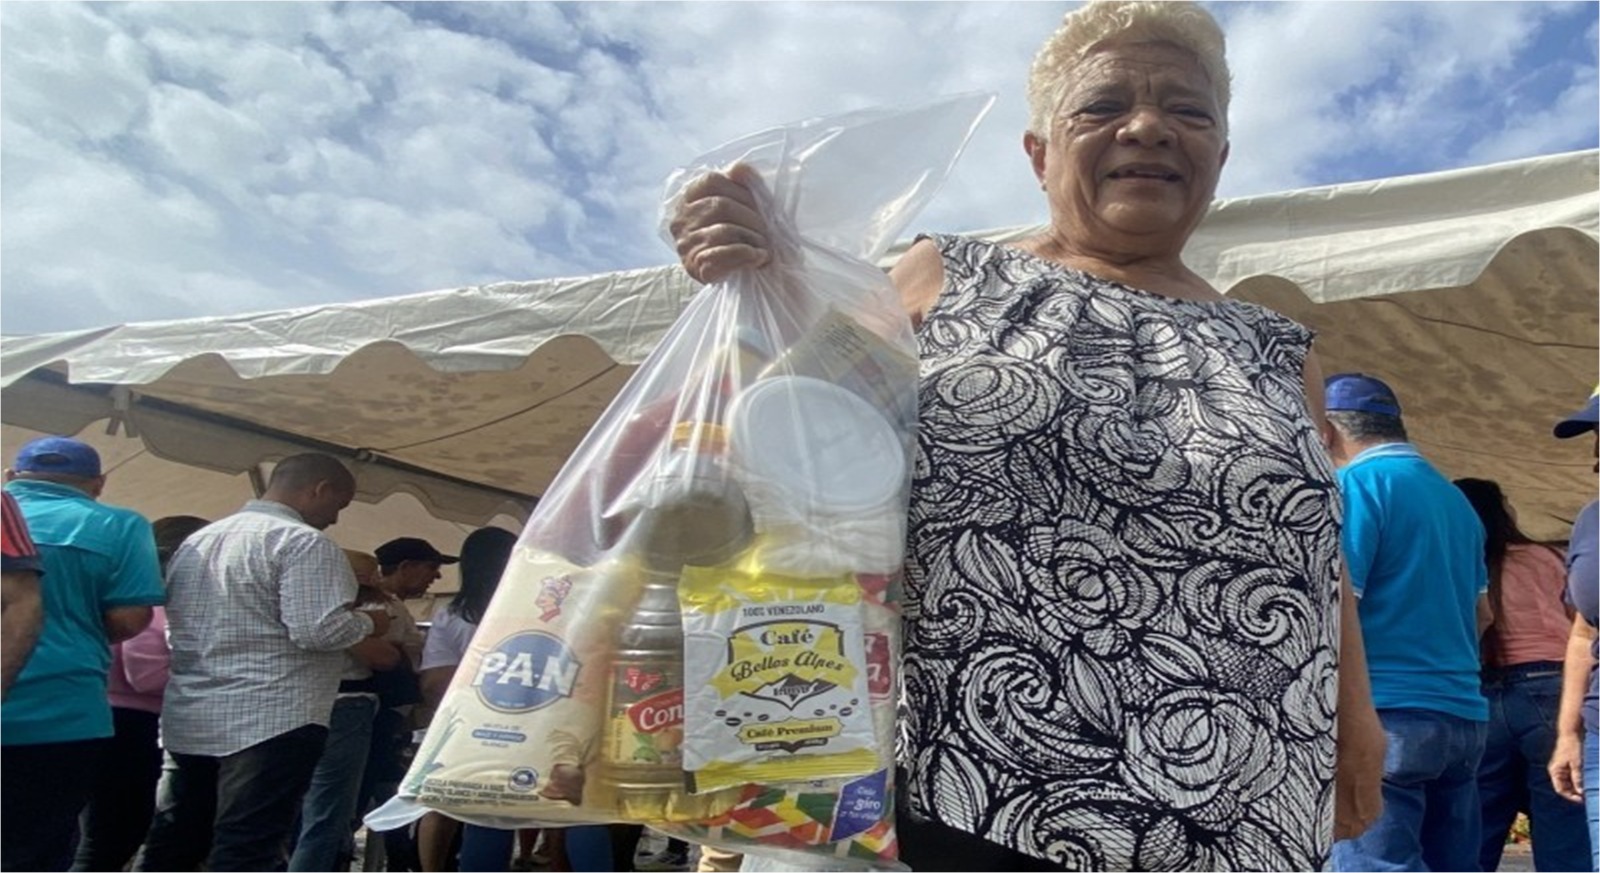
x,y
1431,818
1513,776
327,815
234,812
1591,792
485,850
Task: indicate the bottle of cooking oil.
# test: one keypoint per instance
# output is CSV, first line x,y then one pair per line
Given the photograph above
x,y
641,758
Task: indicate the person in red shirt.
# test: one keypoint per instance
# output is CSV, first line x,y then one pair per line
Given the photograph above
x,y
21,609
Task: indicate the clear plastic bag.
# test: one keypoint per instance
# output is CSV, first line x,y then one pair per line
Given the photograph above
x,y
762,450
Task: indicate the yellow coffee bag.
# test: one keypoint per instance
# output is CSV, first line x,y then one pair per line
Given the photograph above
x,y
775,679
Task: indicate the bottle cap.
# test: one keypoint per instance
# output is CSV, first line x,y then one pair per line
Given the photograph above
x,y
802,439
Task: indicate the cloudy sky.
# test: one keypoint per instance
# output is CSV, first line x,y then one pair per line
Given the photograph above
x,y
166,160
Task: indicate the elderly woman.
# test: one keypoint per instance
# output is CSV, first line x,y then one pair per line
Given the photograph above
x,y
1123,608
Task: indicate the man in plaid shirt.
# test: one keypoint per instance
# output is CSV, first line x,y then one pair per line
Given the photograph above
x,y
259,613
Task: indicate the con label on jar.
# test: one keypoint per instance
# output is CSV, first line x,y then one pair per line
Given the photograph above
x,y
646,729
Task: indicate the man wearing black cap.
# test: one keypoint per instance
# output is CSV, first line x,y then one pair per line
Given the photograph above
x,y
1575,763
100,579
1413,547
408,565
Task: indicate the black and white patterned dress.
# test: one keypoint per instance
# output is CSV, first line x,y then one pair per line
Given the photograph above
x,y
1122,583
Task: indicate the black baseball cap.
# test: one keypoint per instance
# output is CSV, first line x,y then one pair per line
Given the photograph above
x,y
410,549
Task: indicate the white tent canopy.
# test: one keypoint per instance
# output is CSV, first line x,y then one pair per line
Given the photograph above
x,y
1473,291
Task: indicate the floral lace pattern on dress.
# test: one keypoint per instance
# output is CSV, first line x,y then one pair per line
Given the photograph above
x,y
1122,584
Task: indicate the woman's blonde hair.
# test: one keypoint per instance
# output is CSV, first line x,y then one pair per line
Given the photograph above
x,y
1181,23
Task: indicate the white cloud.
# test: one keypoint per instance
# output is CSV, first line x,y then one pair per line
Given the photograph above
x,y
71,74
200,138
1568,120
164,159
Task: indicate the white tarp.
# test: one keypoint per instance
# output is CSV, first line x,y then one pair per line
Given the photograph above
x,y
1473,291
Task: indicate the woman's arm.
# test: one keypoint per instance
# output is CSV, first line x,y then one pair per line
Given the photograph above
x,y
435,681
1566,762
919,277
718,228
1358,776
21,621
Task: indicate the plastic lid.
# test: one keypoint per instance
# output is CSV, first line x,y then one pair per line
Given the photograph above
x,y
816,442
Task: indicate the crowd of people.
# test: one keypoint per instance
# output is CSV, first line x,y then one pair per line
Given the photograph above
x,y
186,694
1173,599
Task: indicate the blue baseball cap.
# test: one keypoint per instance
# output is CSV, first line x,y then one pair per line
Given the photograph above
x,y
1582,421
57,454
1358,392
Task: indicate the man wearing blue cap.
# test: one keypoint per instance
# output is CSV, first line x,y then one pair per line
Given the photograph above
x,y
1414,550
1575,763
100,579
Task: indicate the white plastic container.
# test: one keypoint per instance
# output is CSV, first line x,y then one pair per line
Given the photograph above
x,y
823,473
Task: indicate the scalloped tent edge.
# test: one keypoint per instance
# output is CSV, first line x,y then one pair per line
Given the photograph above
x,y
471,398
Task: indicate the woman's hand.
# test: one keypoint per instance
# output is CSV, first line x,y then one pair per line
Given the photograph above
x,y
718,228
1566,766
1358,758
1358,774
1566,761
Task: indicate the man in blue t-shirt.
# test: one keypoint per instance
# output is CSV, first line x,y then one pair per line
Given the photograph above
x,y
1575,762
100,579
1414,549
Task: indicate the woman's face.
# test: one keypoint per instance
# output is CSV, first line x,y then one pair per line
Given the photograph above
x,y
1135,149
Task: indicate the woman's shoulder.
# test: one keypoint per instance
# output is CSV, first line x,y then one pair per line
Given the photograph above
x,y
1269,316
960,249
1539,555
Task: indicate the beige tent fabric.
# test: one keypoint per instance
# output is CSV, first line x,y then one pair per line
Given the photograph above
x,y
1483,371
471,399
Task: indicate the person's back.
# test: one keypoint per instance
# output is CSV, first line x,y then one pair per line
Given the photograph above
x,y
85,546
100,578
232,640
260,611
1523,652
1414,551
1532,625
1414,548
